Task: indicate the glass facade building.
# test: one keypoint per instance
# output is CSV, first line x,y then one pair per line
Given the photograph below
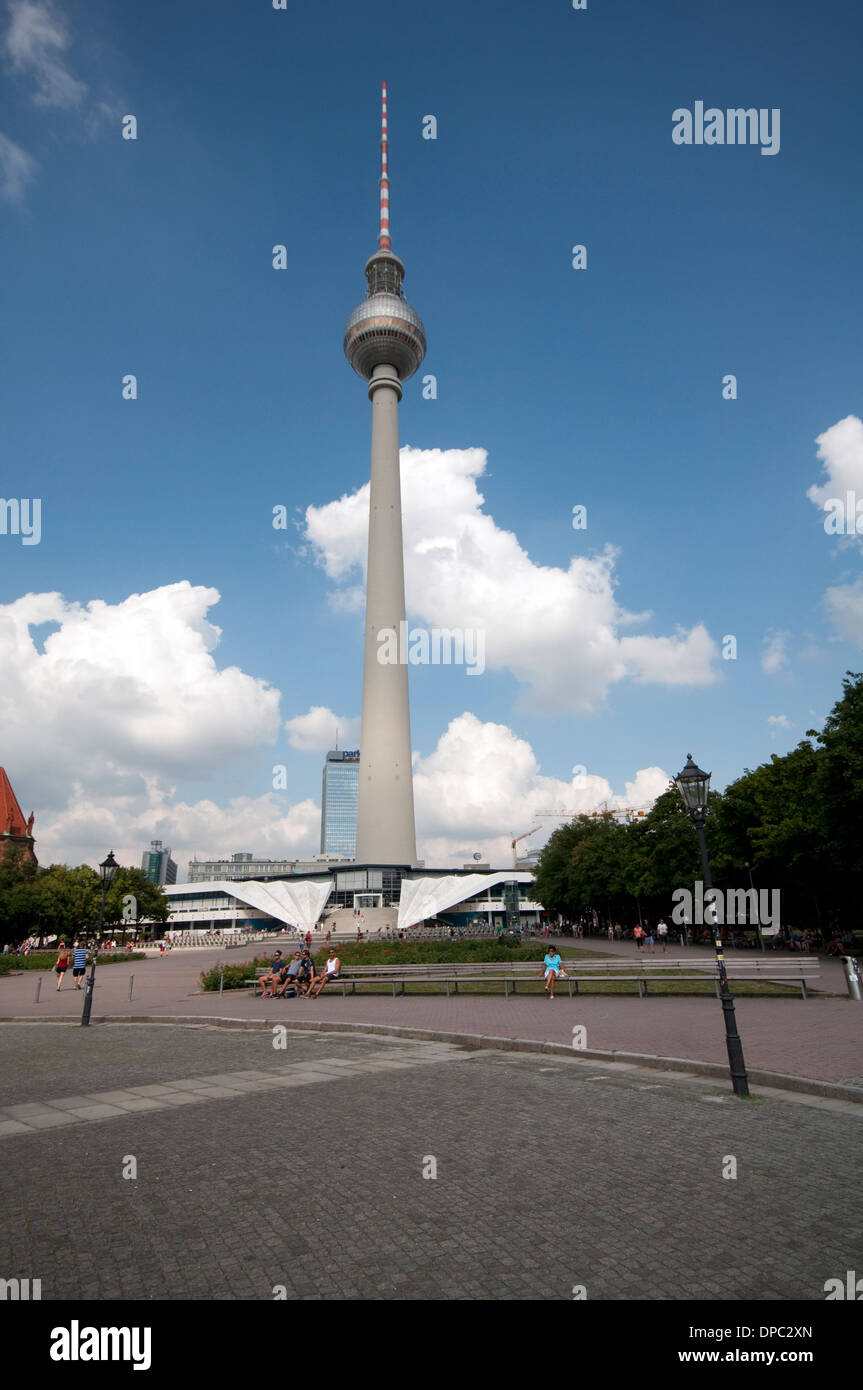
x,y
339,803
158,864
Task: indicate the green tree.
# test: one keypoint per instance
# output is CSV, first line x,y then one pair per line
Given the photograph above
x,y
17,873
839,788
133,898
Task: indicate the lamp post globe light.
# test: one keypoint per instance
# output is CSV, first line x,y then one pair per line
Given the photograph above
x,y
694,787
107,870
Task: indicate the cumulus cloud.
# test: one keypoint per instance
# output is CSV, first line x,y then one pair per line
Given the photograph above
x,y
556,630
840,449
317,731
779,721
17,170
774,658
120,698
845,606
35,43
482,785
264,825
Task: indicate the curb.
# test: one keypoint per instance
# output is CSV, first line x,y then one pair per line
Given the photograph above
x,y
782,1081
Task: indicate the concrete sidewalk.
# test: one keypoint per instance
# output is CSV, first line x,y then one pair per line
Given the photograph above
x,y
820,1038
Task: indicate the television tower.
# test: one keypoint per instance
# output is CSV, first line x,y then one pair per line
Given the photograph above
x,y
385,343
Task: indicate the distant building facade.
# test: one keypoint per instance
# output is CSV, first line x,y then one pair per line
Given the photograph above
x,y
14,830
158,864
240,866
339,788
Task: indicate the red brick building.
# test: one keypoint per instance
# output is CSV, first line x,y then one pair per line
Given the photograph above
x,y
14,830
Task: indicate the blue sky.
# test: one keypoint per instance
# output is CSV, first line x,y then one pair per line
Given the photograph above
x,y
601,386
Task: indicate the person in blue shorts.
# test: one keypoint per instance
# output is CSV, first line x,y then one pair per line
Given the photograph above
x,y
79,964
553,967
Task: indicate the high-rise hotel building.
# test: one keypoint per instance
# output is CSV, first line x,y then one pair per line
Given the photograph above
x,y
339,803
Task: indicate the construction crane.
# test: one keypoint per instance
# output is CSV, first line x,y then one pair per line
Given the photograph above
x,y
515,840
634,812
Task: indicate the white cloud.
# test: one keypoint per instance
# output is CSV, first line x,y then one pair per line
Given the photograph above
x,y
317,730
121,698
845,607
264,825
35,42
556,630
774,658
780,721
482,785
840,449
17,169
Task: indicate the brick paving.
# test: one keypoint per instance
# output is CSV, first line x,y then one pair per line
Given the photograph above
x,y
550,1173
821,1037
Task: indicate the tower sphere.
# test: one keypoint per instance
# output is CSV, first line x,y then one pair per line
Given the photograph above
x,y
384,329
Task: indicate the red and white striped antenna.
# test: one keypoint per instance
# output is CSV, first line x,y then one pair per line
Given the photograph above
x,y
384,238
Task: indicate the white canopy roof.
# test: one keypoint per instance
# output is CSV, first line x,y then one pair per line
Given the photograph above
x,y
298,902
427,896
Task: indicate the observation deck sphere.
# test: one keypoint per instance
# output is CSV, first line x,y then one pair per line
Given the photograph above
x,y
385,330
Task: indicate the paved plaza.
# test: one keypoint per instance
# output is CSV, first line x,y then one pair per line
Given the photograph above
x,y
821,1037
302,1169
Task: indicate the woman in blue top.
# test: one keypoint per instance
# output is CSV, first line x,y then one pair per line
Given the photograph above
x,y
553,967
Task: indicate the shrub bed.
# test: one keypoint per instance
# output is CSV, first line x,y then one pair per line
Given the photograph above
x,y
443,952
237,974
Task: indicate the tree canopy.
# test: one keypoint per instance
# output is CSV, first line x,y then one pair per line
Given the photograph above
x,y
65,902
795,822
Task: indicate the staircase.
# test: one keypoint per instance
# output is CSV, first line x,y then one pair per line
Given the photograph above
x,y
343,924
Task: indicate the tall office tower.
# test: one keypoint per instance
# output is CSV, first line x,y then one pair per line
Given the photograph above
x,y
339,804
385,343
158,864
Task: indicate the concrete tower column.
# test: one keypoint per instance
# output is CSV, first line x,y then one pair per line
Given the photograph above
x,y
385,806
385,344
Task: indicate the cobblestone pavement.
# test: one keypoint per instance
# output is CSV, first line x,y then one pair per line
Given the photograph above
x,y
818,1037
550,1173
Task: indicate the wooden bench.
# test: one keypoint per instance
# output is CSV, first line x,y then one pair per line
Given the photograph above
x,y
790,970
260,972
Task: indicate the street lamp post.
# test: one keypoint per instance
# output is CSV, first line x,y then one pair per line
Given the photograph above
x,y
694,788
107,870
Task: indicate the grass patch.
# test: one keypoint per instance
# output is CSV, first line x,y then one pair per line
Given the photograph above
x,y
536,988
46,960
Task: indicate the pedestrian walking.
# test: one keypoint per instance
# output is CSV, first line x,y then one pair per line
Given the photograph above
x,y
638,933
79,964
662,933
62,963
649,939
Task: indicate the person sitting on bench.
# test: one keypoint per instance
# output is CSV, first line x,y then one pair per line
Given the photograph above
x,y
306,974
268,982
553,967
288,977
331,972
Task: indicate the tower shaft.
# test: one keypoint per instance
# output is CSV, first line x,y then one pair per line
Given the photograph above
x,y
385,803
385,344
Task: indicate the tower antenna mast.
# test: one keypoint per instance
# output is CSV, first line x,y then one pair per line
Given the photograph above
x,y
384,238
